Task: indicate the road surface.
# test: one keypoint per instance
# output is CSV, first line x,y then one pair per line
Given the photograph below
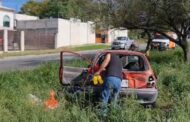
x,y
30,62
33,61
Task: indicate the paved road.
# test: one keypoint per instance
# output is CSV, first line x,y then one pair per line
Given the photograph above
x,y
30,62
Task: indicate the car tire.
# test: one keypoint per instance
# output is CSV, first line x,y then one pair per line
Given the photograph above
x,y
153,105
150,105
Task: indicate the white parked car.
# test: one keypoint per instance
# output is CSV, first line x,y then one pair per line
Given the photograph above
x,y
122,42
160,42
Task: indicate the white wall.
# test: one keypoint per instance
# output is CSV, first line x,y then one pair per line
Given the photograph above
x,y
20,17
74,33
69,32
37,24
63,35
11,16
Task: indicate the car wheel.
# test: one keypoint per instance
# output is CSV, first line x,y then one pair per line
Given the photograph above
x,y
152,105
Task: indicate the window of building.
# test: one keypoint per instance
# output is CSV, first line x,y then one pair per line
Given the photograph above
x,y
6,21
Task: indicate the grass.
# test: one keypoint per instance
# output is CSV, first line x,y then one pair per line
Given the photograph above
x,y
72,48
76,63
172,103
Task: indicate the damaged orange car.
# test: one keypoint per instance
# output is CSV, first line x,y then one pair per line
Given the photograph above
x,y
138,80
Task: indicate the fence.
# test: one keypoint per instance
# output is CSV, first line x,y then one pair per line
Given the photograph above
x,y
55,33
13,38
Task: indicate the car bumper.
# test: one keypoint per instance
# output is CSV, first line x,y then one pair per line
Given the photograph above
x,y
144,96
119,47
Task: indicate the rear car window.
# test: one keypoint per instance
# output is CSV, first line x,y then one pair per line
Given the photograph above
x,y
129,62
133,63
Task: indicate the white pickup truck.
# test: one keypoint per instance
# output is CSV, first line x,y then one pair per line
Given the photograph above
x,y
122,42
162,43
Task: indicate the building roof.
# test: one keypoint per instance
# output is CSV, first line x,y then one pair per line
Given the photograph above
x,y
6,8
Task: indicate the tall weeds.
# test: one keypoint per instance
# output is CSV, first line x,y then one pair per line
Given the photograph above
x,y
172,103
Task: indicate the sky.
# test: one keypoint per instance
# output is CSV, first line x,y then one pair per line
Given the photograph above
x,y
14,4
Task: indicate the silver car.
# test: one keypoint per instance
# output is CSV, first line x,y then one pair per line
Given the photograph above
x,y
122,42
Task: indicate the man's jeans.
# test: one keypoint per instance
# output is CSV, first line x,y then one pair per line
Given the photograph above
x,y
111,88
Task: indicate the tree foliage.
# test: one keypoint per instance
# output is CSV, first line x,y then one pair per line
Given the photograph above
x,y
85,10
81,9
149,15
154,16
32,8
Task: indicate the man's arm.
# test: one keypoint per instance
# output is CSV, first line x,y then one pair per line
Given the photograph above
x,y
104,64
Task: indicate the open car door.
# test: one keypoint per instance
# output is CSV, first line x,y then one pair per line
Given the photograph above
x,y
73,68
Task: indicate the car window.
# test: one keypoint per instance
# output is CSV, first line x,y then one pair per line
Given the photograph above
x,y
101,58
121,38
133,63
129,62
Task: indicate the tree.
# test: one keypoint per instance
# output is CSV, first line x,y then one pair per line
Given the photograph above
x,y
81,9
31,8
154,16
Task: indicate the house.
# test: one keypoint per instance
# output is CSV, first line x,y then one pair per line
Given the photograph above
x,y
55,33
10,38
6,26
24,32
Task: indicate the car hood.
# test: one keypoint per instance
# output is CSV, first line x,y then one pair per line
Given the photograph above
x,y
161,40
122,41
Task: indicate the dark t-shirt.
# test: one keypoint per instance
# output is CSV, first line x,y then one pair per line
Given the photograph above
x,y
114,67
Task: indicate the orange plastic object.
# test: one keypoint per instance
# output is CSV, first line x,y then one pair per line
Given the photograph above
x,y
51,103
171,45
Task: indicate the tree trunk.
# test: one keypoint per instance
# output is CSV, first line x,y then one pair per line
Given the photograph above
x,y
186,52
149,41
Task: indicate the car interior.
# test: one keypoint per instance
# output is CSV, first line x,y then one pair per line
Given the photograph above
x,y
133,63
129,62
